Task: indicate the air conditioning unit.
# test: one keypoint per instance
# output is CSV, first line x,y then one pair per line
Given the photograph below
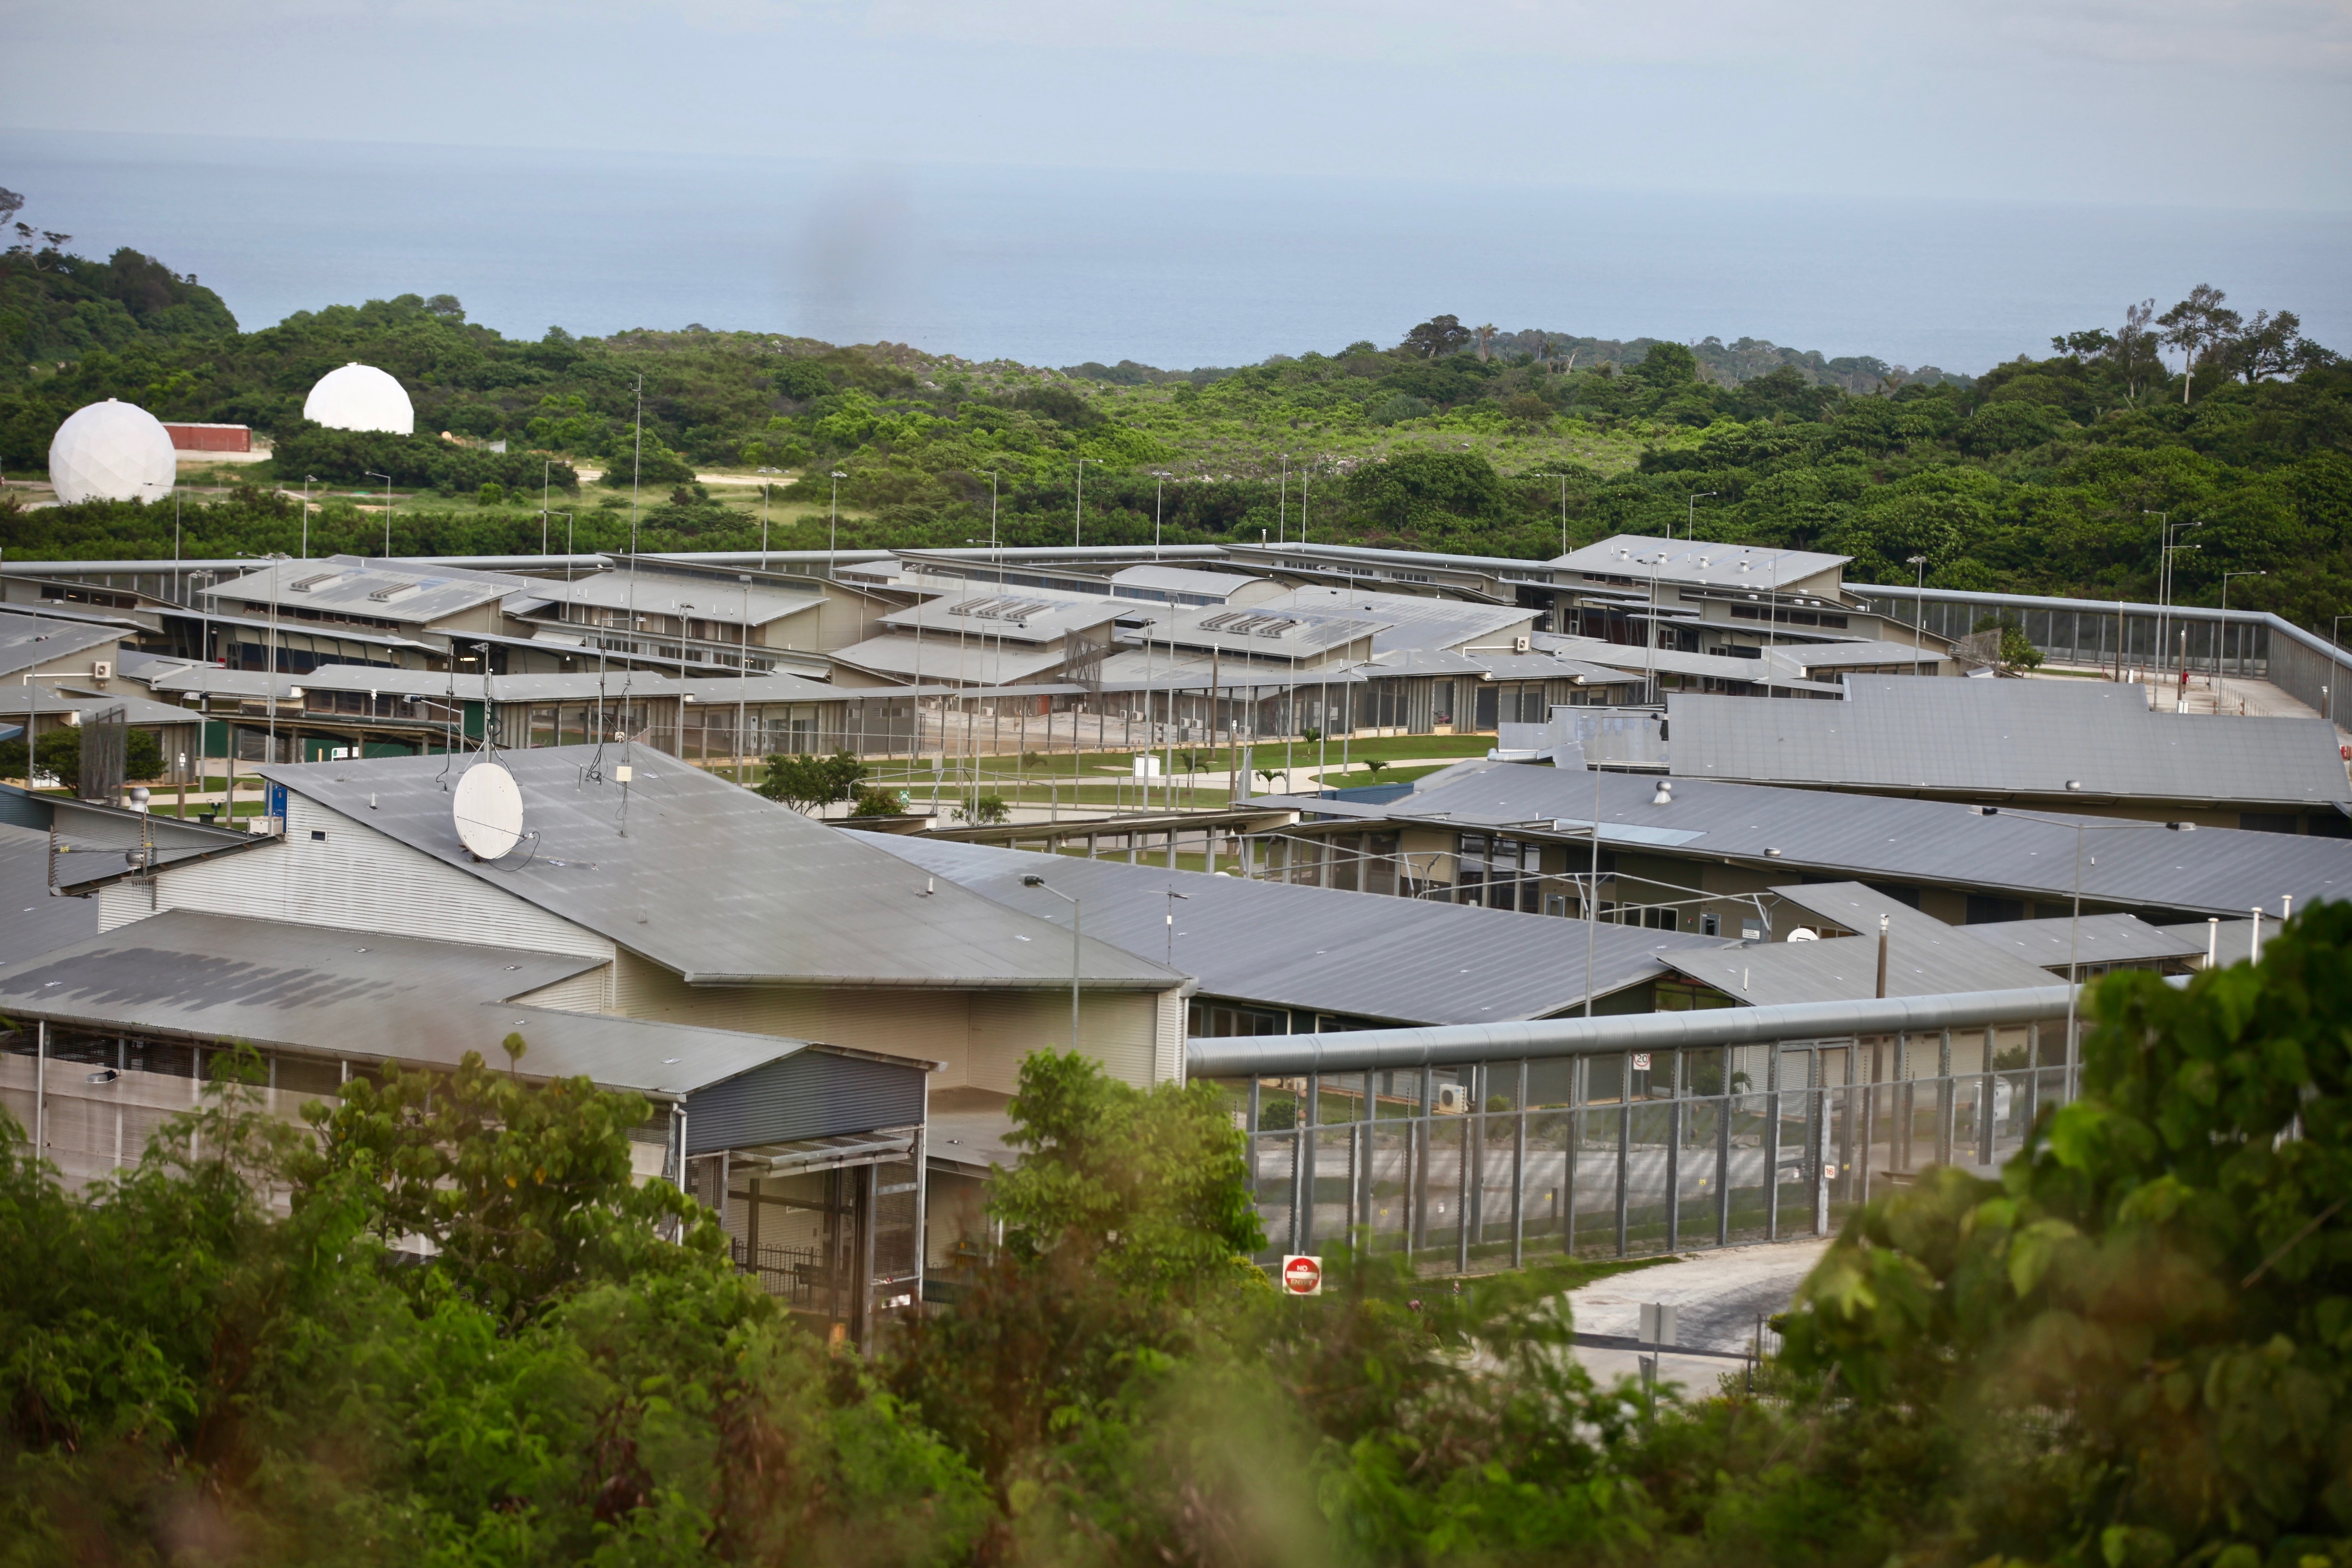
x,y
1453,1099
1523,645
102,670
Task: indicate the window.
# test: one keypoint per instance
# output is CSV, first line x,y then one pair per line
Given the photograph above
x,y
1440,703
1710,925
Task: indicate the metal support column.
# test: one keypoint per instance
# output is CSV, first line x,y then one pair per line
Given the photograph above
x,y
1519,1172
1723,1157
1768,1141
1675,1155
1624,1141
1302,1170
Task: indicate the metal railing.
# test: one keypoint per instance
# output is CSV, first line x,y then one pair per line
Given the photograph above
x,y
1483,1146
2120,634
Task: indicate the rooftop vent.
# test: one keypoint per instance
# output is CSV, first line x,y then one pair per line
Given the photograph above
x,y
391,591
316,579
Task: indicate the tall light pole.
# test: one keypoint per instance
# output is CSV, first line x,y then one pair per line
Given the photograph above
x,y
308,480
2225,631
1159,494
270,655
832,529
744,671
2074,928
1173,896
1077,914
1282,501
1078,524
546,468
2335,627
1918,609
764,485
1690,514
387,510
1563,506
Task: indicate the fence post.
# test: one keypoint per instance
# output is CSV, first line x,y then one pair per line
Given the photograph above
x,y
1767,1142
1519,1172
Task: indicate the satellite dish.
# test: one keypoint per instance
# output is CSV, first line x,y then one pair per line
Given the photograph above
x,y
487,806
1801,933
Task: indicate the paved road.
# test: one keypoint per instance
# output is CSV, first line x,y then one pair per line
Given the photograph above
x,y
1716,1295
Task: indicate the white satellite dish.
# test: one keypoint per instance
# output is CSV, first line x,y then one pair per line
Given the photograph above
x,y
487,806
1802,933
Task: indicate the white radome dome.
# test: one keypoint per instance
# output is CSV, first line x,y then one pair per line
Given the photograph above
x,y
360,397
112,451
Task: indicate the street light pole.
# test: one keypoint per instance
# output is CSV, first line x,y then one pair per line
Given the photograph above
x,y
1918,609
2074,928
832,529
1690,514
2224,631
1077,914
387,510
1159,494
1079,524
308,479
1563,506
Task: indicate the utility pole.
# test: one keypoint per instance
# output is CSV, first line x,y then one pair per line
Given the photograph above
x,y
1690,514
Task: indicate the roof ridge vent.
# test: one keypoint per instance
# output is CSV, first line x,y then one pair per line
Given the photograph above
x,y
391,591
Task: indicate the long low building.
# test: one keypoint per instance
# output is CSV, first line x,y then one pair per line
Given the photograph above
x,y
2073,745
1682,853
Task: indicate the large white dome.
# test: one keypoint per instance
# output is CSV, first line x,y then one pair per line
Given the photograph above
x,y
360,397
112,451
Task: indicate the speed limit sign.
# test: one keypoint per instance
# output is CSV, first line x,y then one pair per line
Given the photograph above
x,y
1302,1275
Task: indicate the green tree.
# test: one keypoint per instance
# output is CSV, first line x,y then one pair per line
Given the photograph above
x,y
805,780
2199,326
2137,1342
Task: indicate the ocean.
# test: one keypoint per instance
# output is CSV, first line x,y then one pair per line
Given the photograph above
x,y
1054,266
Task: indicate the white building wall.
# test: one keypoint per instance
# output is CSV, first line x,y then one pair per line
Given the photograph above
x,y
352,879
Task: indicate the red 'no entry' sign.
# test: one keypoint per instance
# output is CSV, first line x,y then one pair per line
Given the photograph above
x,y
1302,1276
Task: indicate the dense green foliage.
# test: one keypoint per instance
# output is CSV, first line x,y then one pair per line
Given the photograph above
x,y
58,754
2040,476
2134,1347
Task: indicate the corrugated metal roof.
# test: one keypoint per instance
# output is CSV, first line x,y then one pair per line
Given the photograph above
x,y
1633,658
1846,652
2008,737
711,880
2103,938
383,590
1319,948
1272,628
1218,586
1408,620
2221,871
1699,561
32,920
363,994
29,640
1924,957
1020,614
652,593
940,658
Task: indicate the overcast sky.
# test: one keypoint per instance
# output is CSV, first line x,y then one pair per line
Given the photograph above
x,y
2200,102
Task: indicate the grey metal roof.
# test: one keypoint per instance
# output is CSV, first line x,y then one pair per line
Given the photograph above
x,y
97,843
1633,658
32,920
702,596
641,684
1924,957
2221,871
975,663
1846,652
1319,948
29,640
2103,938
1266,630
1700,560
410,593
64,697
2008,737
1018,614
711,880
1218,586
363,994
1159,667
1408,620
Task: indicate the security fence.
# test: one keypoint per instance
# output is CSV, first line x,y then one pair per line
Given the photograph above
x,y
2245,644
1486,1145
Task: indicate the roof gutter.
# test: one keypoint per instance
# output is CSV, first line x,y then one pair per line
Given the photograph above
x,y
1384,1050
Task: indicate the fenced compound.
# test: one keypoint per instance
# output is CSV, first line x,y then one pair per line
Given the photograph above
x,y
1481,1146
2250,644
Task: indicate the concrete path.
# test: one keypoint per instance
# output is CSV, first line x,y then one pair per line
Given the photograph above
x,y
1716,1295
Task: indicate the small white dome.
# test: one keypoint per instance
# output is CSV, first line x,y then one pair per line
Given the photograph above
x,y
360,397
112,451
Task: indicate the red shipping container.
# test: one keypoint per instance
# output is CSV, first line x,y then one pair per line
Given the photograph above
x,y
210,438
